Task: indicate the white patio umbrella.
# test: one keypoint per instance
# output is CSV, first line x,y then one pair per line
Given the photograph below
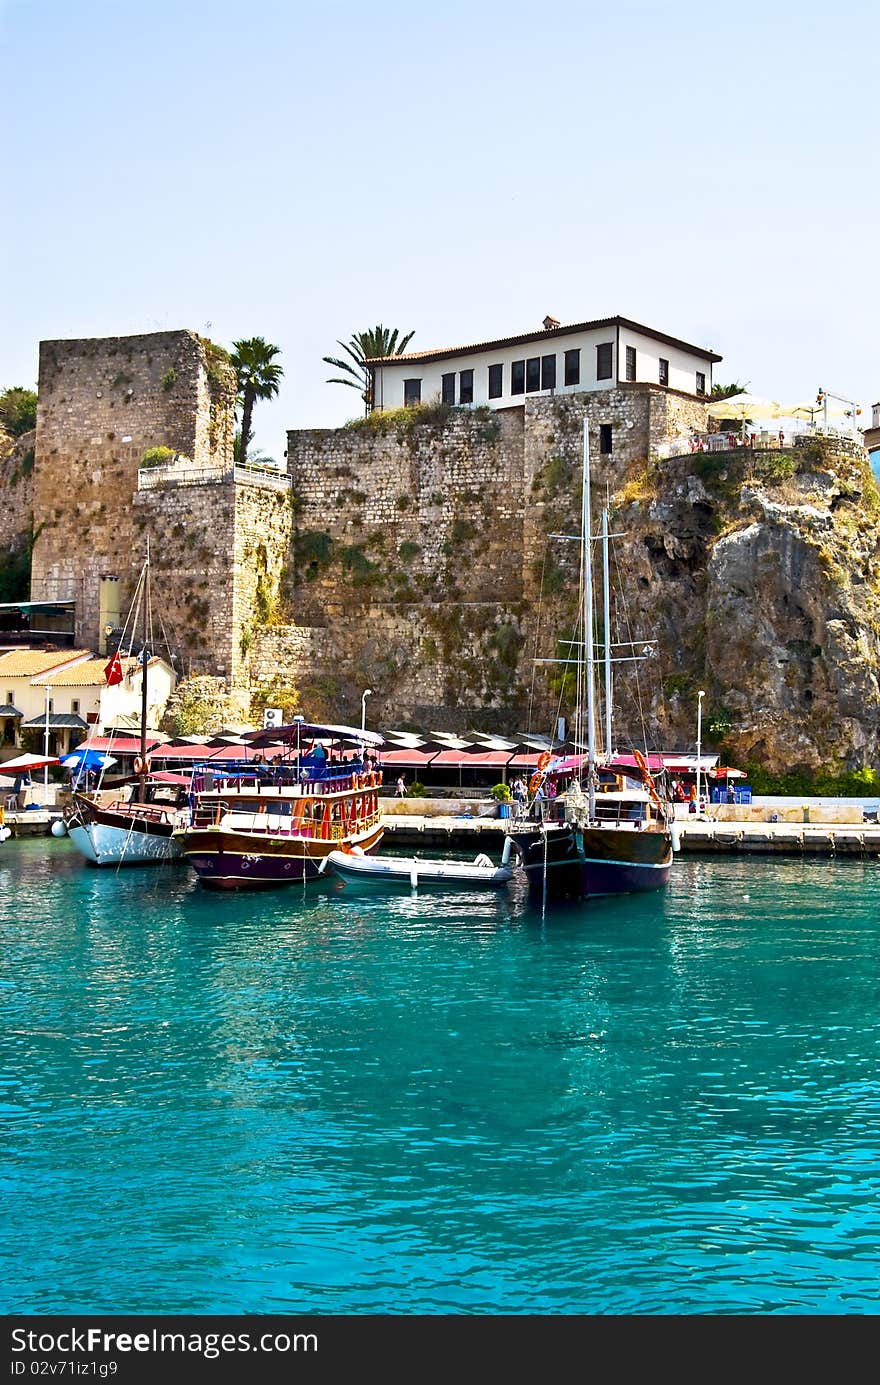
x,y
743,406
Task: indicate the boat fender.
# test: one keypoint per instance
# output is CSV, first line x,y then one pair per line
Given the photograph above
x,y
5,833
414,876
142,766
58,828
675,836
508,847
482,860
323,866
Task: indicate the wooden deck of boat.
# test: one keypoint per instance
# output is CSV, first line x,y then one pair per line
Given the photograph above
x,y
706,837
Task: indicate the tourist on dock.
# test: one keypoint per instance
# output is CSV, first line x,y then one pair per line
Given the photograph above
x,y
519,793
400,792
692,799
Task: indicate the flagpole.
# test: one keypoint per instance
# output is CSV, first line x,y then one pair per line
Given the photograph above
x,y
142,786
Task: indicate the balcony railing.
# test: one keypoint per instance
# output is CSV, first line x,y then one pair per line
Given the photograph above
x,y
174,475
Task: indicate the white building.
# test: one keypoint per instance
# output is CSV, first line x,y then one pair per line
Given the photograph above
x,y
556,360
69,688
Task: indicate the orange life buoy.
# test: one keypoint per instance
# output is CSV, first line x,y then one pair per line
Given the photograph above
x,y
535,782
544,759
141,766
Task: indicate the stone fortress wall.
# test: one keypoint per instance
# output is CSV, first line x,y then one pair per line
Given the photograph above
x,y
416,553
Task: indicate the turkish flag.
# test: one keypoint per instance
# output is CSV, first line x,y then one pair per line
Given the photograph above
x,y
113,671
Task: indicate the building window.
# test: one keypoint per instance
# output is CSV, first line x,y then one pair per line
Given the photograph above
x,y
630,363
664,372
412,393
447,388
496,381
701,382
74,706
604,360
548,372
466,387
533,374
51,706
518,377
605,438
573,367
9,699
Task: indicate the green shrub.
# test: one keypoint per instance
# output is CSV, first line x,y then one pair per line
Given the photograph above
x,y
168,379
417,790
501,793
158,456
18,410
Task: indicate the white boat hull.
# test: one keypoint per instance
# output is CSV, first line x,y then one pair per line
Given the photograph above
x,y
415,874
111,846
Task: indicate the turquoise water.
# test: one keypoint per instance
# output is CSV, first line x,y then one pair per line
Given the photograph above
x,y
318,1101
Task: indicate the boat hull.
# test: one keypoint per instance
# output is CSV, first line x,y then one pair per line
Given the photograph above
x,y
569,863
412,873
105,837
229,860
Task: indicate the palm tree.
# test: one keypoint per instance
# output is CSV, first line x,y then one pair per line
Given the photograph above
x,y
363,347
258,377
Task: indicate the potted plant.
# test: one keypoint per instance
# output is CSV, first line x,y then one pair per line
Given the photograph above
x,y
503,797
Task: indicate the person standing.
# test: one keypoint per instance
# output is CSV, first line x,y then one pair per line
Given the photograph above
x,y
401,788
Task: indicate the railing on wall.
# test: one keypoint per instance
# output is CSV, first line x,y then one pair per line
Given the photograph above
x,y
174,475
761,439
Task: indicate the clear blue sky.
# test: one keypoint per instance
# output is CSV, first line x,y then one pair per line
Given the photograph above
x,y
304,171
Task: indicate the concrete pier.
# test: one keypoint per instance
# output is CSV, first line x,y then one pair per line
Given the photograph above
x,y
697,836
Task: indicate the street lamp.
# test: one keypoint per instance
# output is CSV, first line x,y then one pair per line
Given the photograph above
x,y
367,692
46,750
700,696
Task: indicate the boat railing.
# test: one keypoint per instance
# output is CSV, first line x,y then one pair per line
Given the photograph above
x,y
275,779
221,812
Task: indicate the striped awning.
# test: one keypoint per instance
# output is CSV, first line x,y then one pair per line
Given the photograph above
x,y
59,721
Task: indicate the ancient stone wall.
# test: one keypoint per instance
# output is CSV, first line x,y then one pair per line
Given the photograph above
x,y
16,491
102,404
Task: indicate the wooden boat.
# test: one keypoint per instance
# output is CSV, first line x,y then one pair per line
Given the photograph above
x,y
611,832
265,828
417,873
125,831
139,826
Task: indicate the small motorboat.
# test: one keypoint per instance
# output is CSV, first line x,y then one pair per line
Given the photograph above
x,y
416,873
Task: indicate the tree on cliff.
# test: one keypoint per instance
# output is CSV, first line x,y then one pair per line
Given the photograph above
x,y
363,347
259,376
18,410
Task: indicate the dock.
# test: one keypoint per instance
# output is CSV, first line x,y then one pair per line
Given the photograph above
x,y
697,837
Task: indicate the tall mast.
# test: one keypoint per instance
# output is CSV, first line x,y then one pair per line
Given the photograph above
x,y
142,786
606,595
587,623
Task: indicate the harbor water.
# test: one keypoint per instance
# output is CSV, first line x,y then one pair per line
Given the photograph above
x,y
324,1100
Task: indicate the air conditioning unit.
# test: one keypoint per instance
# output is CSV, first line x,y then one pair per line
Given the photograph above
x,y
271,717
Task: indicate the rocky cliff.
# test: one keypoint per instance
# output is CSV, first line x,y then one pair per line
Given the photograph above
x,y
759,572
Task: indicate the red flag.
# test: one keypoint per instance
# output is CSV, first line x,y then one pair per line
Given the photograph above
x,y
113,671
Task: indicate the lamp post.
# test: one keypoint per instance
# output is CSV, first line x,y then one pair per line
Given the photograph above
x,y
46,750
367,692
700,696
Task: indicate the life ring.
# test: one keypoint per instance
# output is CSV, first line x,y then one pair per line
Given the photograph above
x,y
142,766
535,782
544,759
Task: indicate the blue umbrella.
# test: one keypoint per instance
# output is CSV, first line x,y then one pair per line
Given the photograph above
x,y
84,758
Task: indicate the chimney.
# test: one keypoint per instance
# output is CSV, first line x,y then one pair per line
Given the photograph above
x,y
550,322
